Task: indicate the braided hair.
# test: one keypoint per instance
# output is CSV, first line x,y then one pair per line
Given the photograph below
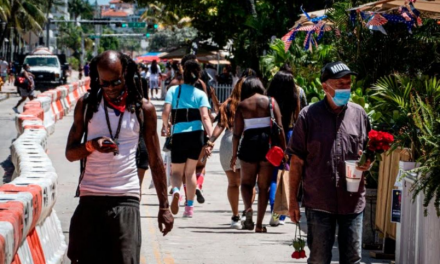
x,y
132,82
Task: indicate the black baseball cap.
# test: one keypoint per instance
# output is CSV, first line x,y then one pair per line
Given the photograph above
x,y
335,70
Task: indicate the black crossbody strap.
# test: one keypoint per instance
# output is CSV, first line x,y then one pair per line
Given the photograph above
x,y
177,106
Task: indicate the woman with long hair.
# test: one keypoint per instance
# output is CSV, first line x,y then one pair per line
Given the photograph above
x,y
291,99
154,74
190,116
226,123
252,125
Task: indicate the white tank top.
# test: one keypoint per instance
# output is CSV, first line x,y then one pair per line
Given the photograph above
x,y
107,174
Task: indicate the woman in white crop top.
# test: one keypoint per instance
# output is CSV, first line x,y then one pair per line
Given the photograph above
x,y
252,126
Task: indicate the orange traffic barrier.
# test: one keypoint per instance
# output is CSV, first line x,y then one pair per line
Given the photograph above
x,y
2,249
37,198
16,259
36,248
12,212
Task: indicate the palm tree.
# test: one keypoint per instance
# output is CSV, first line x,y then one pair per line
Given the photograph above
x,y
22,15
5,9
78,7
165,18
49,4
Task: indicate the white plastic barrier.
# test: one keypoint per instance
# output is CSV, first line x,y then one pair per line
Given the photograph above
x,y
30,231
49,118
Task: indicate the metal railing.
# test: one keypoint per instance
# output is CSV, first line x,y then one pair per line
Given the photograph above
x,y
223,91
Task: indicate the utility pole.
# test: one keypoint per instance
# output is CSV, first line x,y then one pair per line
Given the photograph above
x,y
11,43
47,33
82,48
97,29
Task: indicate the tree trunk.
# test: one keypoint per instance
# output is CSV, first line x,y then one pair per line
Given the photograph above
x,y
250,4
3,34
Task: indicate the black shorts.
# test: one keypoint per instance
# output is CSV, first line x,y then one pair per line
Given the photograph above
x,y
187,146
142,155
105,229
254,145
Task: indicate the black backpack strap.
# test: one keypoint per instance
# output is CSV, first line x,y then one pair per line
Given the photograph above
x,y
86,118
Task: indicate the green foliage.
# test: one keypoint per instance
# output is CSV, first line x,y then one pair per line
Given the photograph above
x,y
79,8
249,24
74,62
109,43
392,98
374,55
172,38
426,117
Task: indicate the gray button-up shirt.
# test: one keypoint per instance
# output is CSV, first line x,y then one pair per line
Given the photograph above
x,y
324,140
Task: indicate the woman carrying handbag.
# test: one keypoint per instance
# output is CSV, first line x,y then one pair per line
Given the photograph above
x,y
253,125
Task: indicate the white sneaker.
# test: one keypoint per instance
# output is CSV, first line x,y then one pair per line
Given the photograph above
x,y
274,220
282,222
235,223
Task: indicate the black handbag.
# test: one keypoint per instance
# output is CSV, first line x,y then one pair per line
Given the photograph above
x,y
168,146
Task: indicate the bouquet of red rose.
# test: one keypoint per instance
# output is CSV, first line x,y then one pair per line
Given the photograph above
x,y
298,244
378,143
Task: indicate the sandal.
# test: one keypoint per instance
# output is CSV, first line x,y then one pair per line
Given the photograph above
x,y
248,224
260,229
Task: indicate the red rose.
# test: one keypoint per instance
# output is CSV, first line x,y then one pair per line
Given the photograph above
x,y
295,255
372,134
379,136
386,147
302,254
388,137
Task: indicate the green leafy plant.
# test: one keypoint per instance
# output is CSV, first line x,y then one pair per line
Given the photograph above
x,y
392,98
426,117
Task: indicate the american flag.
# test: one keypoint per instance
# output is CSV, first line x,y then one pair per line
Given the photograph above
x,y
377,20
287,40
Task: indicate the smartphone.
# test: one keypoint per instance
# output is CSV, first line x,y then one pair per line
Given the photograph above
x,y
108,143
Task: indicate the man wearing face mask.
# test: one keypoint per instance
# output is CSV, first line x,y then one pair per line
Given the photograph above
x,y
326,134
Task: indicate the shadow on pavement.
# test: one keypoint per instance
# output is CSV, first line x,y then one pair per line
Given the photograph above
x,y
9,168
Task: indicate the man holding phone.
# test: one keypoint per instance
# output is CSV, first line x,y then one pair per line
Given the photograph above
x,y
108,123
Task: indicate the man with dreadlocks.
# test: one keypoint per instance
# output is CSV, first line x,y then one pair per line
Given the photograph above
x,y
105,227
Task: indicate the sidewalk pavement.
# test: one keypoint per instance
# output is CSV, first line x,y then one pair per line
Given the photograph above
x,y
206,238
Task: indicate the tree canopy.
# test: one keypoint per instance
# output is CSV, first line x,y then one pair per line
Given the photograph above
x,y
249,24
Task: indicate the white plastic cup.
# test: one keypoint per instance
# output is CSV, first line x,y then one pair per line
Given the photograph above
x,y
352,175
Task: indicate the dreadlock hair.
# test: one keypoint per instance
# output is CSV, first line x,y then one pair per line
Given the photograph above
x,y
132,82
191,72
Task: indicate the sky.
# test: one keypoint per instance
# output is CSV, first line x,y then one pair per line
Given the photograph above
x,y
100,2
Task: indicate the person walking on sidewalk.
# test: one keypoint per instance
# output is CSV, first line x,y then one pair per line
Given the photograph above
x,y
290,100
154,74
105,227
252,125
25,86
225,123
190,115
325,135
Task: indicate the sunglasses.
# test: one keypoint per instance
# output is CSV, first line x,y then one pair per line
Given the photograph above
x,y
105,84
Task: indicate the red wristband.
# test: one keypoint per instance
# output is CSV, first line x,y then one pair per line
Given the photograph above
x,y
89,146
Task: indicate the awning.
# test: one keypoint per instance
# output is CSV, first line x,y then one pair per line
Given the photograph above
x,y
222,62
